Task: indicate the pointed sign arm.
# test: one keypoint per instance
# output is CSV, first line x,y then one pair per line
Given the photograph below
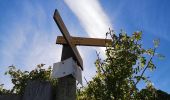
x,y
67,37
85,41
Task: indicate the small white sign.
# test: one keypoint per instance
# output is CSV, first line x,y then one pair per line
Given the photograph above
x,y
67,67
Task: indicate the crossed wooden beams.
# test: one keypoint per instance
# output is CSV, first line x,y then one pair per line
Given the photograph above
x,y
66,39
66,87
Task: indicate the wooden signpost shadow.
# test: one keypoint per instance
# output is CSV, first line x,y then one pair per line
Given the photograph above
x,y
66,87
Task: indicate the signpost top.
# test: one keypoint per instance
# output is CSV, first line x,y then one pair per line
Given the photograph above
x,y
67,37
67,84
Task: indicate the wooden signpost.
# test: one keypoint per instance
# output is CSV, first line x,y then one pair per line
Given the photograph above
x,y
84,41
67,85
67,37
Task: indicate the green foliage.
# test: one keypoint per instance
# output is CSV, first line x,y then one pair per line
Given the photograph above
x,y
2,90
156,95
161,95
20,78
116,78
149,93
118,75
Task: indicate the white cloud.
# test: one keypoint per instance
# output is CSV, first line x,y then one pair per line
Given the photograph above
x,y
92,18
95,22
29,42
91,15
42,47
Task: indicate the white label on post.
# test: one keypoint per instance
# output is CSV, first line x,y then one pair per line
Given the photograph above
x,y
67,67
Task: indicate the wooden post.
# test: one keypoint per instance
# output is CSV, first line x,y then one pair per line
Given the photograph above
x,y
66,87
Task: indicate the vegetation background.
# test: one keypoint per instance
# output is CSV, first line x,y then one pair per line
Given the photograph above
x,y
116,77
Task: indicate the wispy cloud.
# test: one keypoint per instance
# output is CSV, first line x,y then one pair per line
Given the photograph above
x,y
32,42
91,15
95,22
29,42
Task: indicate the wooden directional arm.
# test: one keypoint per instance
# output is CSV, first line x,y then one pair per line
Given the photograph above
x,y
84,41
67,37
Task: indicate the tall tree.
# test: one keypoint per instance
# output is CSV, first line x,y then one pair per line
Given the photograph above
x,y
124,67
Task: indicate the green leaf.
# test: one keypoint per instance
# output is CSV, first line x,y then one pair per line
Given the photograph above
x,y
137,35
142,61
160,56
150,51
156,42
151,66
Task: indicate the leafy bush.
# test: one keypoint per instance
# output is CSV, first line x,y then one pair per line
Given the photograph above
x,y
116,78
20,78
124,67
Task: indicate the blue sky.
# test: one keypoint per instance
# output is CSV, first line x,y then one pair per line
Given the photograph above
x,y
28,31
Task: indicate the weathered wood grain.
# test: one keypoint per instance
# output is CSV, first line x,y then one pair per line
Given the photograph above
x,y
10,97
82,41
38,90
66,34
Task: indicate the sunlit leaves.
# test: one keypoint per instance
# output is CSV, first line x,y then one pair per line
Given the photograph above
x,y
156,42
20,78
160,56
3,90
150,51
151,66
142,61
137,35
124,67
